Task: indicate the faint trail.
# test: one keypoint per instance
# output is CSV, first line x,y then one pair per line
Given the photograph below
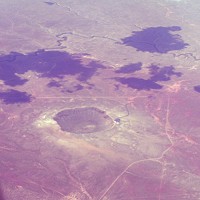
x,y
130,101
78,183
167,130
186,56
93,97
46,189
161,182
68,8
7,149
167,123
123,172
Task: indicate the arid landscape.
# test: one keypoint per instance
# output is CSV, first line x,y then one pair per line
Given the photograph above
x,y
100,100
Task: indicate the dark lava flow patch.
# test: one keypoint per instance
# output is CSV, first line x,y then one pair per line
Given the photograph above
x,y
14,96
156,40
156,73
83,120
48,64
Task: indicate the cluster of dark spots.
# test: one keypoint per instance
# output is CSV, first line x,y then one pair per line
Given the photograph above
x,y
46,64
156,74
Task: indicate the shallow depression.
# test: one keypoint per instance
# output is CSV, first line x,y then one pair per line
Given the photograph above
x,y
83,120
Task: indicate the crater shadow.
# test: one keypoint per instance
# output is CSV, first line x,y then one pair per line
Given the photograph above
x,y
156,40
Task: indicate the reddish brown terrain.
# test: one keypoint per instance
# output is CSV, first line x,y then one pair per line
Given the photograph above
x,y
99,100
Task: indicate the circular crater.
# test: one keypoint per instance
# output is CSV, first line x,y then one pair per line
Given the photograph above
x,y
83,120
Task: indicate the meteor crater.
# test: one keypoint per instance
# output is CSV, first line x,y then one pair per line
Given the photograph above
x,y
83,120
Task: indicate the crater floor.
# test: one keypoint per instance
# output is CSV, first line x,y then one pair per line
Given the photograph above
x,y
83,120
